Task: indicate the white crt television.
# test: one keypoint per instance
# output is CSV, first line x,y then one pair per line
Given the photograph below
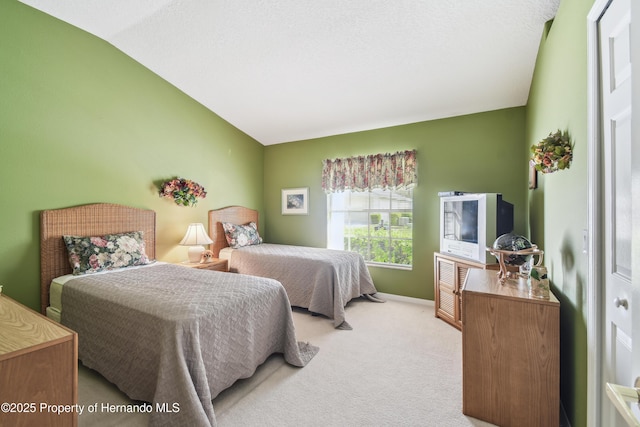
x,y
471,222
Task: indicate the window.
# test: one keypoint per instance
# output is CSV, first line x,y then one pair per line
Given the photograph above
x,y
378,224
370,200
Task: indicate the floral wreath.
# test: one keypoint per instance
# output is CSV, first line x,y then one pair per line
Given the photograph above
x,y
553,153
183,191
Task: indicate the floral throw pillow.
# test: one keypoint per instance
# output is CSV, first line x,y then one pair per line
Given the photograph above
x,y
241,235
93,254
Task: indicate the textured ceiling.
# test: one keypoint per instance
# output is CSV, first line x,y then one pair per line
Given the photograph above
x,y
288,70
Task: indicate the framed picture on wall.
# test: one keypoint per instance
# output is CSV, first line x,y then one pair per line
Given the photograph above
x,y
295,201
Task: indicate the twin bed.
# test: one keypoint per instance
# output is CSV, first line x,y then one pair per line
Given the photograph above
x,y
320,280
171,336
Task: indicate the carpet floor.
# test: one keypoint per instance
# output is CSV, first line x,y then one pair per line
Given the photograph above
x,y
399,366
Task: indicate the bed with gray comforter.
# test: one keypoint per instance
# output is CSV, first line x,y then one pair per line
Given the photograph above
x,y
320,280
176,337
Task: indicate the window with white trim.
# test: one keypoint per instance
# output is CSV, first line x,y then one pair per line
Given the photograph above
x,y
378,224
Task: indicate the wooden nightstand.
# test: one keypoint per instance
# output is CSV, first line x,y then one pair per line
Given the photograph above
x,y
216,264
38,365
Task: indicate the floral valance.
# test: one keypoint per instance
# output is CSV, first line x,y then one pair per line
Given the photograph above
x,y
364,173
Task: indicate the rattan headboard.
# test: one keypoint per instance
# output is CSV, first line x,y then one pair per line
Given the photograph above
x,y
87,220
233,214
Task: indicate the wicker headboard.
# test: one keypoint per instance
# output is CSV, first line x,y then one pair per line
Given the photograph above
x,y
233,214
87,220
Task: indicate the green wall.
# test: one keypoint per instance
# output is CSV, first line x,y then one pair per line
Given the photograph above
x,y
476,153
80,122
558,207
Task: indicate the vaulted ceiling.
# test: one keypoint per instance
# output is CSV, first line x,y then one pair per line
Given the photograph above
x,y
288,70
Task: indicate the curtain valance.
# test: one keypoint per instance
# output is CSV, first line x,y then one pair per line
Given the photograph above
x,y
383,171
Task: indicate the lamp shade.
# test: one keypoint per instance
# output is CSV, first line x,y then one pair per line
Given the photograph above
x,y
195,237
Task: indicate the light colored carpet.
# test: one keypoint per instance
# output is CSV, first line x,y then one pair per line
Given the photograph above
x,y
399,366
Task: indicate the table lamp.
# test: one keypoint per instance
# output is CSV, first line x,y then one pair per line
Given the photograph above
x,y
195,238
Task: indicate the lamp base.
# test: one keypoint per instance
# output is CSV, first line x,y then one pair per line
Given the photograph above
x,y
195,252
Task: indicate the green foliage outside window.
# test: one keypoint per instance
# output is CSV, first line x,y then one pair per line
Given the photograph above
x,y
396,216
377,224
394,248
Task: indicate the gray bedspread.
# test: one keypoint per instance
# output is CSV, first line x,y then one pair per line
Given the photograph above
x,y
176,337
320,280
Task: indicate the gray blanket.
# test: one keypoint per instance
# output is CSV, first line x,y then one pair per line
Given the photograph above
x,y
176,337
320,280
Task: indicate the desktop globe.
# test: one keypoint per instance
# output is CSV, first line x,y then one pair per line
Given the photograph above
x,y
513,243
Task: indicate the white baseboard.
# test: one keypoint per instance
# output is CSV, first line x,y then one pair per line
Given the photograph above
x,y
406,299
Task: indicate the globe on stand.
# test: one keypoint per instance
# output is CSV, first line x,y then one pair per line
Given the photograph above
x,y
513,250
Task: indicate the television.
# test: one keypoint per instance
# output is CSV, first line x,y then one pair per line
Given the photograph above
x,y
469,222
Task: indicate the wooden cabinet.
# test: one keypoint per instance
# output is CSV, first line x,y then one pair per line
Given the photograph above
x,y
38,369
510,353
216,264
449,275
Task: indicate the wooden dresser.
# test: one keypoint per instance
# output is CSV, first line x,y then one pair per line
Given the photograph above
x,y
510,353
449,275
38,368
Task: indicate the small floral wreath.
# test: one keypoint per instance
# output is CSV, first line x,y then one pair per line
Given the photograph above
x,y
553,153
183,191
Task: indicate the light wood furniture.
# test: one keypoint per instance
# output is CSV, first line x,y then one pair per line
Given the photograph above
x,y
38,365
449,274
216,264
510,353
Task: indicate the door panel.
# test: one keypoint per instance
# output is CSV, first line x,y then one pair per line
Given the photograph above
x,y
615,45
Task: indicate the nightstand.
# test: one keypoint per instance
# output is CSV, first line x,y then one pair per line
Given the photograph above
x,y
38,365
216,264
